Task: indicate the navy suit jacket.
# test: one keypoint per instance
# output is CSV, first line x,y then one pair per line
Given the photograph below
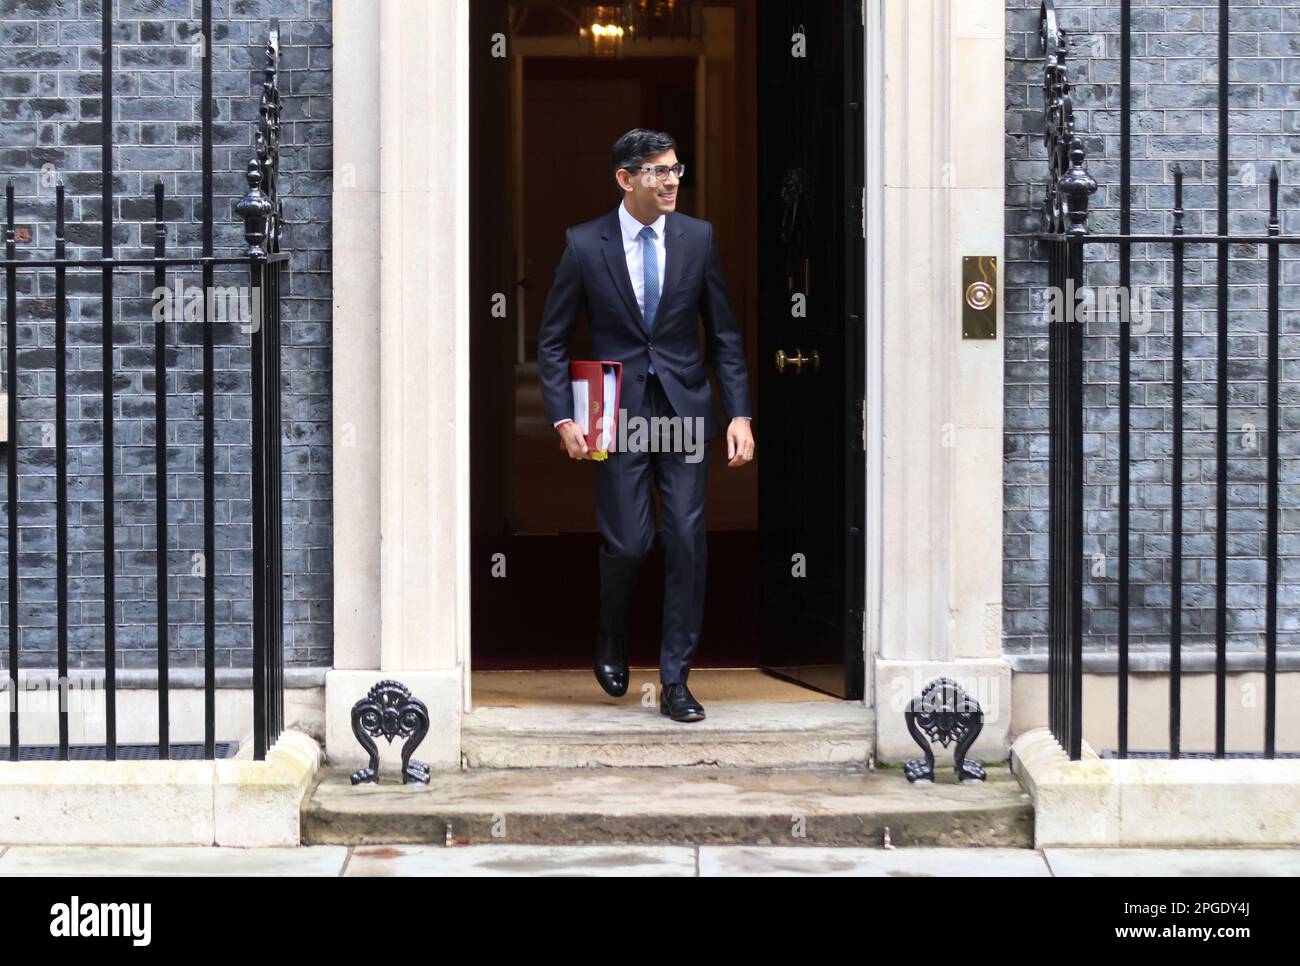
x,y
593,271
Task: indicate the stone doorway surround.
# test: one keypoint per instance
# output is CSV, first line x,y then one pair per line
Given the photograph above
x,y
935,493
401,393
401,373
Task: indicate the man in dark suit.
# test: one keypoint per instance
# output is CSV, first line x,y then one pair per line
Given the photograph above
x,y
646,274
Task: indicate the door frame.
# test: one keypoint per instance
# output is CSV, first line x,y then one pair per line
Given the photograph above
x,y
401,321
401,605
873,130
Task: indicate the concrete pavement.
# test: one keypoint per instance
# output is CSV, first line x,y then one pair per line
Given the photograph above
x,y
633,860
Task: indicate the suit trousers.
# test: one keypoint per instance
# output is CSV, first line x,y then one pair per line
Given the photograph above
x,y
625,516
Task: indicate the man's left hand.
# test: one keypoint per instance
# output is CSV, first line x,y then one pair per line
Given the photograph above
x,y
740,442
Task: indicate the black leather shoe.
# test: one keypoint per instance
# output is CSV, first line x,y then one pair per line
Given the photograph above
x,y
610,664
679,704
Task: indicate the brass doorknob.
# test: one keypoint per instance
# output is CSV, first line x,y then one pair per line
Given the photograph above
x,y
797,360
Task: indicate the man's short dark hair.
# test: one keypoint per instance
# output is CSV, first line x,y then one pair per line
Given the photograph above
x,y
637,145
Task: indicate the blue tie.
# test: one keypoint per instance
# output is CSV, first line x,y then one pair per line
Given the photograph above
x,y
650,275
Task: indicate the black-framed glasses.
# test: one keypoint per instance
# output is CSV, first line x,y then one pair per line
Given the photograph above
x,y
660,171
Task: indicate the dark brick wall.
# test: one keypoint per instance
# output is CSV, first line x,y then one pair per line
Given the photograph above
x,y
1174,122
50,130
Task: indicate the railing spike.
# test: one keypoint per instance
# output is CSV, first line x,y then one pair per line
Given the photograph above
x,y
1274,221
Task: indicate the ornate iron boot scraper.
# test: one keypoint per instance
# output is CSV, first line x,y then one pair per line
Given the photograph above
x,y
944,713
389,711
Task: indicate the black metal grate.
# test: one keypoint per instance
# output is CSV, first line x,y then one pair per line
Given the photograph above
x,y
1208,755
177,751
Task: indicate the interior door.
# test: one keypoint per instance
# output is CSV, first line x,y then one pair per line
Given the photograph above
x,y
810,345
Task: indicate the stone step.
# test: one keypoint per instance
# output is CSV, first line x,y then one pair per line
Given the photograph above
x,y
670,806
778,734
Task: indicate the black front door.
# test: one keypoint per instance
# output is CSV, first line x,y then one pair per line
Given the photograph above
x,y
810,345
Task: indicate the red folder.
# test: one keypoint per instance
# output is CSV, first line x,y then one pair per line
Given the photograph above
x,y
597,388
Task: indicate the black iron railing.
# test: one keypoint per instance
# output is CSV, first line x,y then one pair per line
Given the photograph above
x,y
261,211
1067,243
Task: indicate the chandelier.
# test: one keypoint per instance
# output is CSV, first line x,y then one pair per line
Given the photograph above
x,y
603,27
606,26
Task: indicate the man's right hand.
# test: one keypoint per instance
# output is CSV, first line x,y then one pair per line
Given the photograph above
x,y
575,441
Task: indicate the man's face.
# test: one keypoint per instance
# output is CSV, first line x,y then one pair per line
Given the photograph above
x,y
648,197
